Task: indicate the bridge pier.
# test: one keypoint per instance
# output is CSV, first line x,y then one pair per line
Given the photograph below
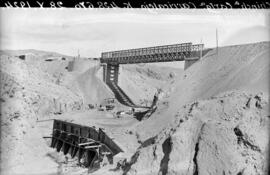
x,y
110,73
110,77
104,73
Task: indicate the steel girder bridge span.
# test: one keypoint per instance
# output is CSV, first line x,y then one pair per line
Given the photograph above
x,y
177,52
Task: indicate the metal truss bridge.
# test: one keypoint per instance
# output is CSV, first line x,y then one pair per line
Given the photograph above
x,y
167,53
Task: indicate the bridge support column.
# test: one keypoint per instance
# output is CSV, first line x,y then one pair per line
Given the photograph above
x,y
112,72
104,72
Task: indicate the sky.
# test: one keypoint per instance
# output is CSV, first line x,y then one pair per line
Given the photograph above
x,y
92,31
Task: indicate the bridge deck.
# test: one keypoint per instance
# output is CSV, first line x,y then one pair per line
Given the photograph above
x,y
176,52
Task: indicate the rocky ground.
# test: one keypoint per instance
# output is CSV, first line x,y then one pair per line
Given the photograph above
x,y
213,136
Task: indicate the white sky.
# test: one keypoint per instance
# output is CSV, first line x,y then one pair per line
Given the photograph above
x,y
95,30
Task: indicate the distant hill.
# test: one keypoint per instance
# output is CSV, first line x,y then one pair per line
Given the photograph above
x,y
38,53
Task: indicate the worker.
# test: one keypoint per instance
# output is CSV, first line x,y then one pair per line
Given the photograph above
x,y
156,98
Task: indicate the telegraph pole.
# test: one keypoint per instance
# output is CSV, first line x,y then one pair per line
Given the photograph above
x,y
201,49
78,53
217,39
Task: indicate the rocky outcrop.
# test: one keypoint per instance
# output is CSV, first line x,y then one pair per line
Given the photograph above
x,y
213,136
26,96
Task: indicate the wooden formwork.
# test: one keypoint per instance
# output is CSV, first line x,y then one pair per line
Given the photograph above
x,y
88,144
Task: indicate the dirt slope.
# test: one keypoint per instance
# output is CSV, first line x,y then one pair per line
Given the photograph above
x,y
244,67
212,136
93,89
140,82
28,95
203,124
